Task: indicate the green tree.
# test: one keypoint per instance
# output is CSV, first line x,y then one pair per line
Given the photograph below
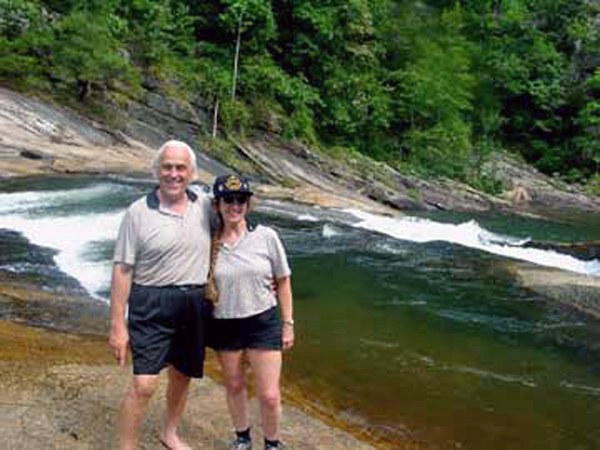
x,y
331,45
589,121
26,42
532,61
157,33
86,52
248,17
434,95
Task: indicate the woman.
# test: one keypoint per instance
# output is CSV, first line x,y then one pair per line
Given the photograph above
x,y
246,321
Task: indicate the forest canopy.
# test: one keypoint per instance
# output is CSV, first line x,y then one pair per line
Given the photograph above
x,y
433,86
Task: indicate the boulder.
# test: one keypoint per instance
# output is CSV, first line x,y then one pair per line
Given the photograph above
x,y
578,291
586,251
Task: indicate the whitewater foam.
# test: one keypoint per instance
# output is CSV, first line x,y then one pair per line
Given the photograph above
x,y
470,234
23,202
69,235
331,231
307,218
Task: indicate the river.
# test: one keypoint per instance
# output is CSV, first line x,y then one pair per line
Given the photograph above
x,y
410,328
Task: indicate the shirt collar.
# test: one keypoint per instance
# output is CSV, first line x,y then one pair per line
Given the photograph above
x,y
153,201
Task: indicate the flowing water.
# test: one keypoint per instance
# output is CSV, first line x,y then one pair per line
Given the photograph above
x,y
409,328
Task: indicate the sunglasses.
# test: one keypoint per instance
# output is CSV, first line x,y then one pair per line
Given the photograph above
x,y
237,199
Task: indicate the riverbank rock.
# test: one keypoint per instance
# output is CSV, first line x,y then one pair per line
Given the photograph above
x,y
37,137
586,251
526,189
40,138
367,184
578,291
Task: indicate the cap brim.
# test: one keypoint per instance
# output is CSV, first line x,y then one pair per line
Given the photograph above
x,y
225,194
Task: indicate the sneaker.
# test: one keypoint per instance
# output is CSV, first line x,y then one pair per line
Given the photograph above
x,y
241,444
279,446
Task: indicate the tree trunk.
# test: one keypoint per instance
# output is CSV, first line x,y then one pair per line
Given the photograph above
x,y
85,88
215,119
237,57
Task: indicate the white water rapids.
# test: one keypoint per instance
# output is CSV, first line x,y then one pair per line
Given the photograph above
x,y
44,218
471,234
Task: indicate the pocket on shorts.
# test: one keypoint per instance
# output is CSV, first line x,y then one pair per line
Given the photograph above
x,y
270,317
144,303
265,330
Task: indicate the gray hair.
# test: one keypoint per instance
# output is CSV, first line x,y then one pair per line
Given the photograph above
x,y
173,143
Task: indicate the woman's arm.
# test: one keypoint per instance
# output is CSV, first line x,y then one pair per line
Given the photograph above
x,y
284,296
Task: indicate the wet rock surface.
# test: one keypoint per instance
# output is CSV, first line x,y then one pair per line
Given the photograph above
x,y
586,251
578,291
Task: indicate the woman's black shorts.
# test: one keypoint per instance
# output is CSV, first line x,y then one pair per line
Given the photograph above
x,y
260,331
167,326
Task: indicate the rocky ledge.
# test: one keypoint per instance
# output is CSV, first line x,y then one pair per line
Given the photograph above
x,y
37,137
574,290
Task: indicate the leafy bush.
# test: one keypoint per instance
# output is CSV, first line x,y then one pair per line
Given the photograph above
x,y
236,116
593,185
441,150
488,184
17,17
85,51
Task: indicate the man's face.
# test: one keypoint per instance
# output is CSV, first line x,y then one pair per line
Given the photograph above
x,y
175,172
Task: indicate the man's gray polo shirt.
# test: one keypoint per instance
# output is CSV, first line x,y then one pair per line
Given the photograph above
x,y
244,272
166,248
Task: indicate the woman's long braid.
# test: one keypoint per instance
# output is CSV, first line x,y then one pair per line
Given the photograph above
x,y
211,289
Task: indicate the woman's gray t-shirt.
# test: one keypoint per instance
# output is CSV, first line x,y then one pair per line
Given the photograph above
x,y
244,272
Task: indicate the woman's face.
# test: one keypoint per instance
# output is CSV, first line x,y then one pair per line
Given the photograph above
x,y
233,208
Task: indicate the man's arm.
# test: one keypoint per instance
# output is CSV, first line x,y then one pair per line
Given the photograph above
x,y
284,295
118,338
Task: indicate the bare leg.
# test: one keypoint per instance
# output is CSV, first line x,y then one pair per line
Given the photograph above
x,y
235,383
266,365
177,391
132,408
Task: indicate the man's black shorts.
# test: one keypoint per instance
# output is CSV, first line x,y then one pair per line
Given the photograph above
x,y
260,331
167,327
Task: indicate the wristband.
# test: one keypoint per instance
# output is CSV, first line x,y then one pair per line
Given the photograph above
x,y
288,322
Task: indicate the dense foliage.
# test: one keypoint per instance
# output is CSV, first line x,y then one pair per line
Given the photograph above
x,y
432,85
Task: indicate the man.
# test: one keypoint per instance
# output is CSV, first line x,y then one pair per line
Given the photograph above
x,y
160,268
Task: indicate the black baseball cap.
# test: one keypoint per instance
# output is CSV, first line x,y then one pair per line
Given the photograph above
x,y
231,184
